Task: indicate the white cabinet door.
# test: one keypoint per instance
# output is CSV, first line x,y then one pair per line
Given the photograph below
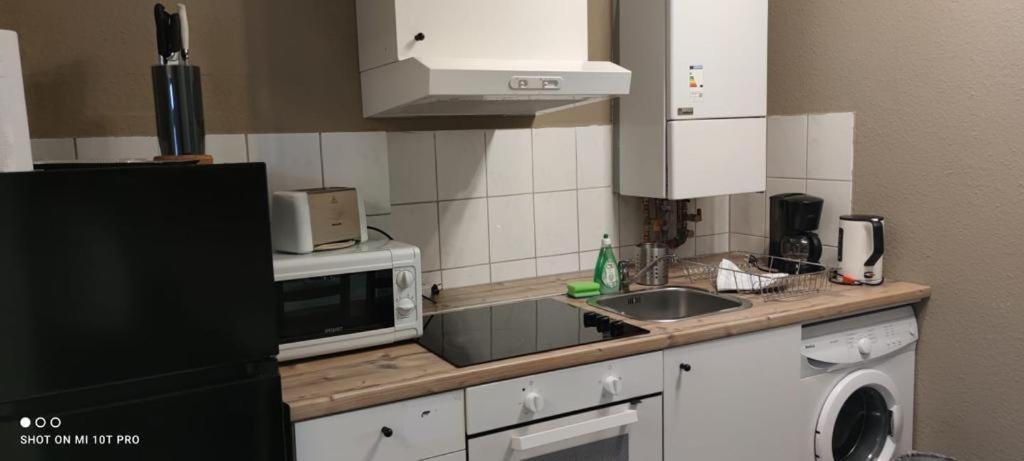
x,y
718,55
410,430
716,157
735,398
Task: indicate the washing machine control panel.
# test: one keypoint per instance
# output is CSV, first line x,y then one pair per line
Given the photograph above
x,y
859,343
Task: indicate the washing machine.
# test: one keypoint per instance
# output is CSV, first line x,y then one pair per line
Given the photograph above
x,y
857,383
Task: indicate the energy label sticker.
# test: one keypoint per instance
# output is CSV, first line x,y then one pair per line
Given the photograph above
x,y
696,82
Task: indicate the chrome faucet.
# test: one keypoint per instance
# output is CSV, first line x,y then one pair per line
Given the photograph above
x,y
628,279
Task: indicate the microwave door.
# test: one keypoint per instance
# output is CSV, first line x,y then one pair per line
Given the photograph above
x,y
333,305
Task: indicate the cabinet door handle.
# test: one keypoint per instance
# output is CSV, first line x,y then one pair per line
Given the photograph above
x,y
685,366
387,431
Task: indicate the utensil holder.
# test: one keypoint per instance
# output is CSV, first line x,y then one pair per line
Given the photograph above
x,y
647,253
178,100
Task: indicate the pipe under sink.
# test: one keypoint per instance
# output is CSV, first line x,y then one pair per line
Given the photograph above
x,y
668,304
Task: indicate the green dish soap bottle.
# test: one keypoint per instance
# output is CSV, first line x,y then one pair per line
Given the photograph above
x,y
606,271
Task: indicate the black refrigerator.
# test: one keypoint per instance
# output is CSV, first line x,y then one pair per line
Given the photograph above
x,y
137,316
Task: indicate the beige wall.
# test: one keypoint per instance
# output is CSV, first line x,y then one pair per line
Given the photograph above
x,y
268,66
937,87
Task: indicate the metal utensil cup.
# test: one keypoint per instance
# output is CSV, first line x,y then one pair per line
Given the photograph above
x,y
178,100
646,253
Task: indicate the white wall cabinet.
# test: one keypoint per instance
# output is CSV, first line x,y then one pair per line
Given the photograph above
x,y
735,398
410,430
694,62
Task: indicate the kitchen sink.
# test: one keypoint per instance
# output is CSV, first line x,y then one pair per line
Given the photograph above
x,y
668,304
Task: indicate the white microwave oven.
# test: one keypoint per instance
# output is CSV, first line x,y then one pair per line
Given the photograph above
x,y
334,301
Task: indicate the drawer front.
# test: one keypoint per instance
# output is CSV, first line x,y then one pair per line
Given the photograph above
x,y
419,429
500,404
457,456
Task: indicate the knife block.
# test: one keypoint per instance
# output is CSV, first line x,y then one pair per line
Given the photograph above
x,y
178,104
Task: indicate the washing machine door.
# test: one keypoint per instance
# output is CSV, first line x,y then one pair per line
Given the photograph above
x,y
860,420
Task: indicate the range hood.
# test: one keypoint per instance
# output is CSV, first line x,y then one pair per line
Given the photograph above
x,y
479,57
447,86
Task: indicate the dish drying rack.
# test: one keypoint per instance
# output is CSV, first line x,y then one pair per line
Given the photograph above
x,y
808,279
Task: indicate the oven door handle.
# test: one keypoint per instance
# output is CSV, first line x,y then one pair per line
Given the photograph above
x,y
550,436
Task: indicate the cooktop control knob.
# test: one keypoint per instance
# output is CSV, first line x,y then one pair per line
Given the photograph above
x,y
612,385
403,279
533,402
864,346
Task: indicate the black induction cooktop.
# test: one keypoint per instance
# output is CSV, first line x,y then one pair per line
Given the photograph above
x,y
484,334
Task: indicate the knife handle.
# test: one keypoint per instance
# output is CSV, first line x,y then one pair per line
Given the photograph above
x,y
183,25
160,16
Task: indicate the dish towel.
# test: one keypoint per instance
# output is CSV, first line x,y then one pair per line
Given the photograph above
x,y
732,278
15,150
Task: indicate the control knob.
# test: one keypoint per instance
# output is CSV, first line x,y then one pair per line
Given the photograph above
x,y
612,385
405,307
533,402
403,279
864,346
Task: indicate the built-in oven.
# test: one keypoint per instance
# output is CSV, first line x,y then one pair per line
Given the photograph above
x,y
340,300
625,431
605,411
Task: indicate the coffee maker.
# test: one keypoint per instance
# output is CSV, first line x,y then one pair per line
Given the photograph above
x,y
793,220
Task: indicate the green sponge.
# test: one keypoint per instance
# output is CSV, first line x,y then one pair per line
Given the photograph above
x,y
583,289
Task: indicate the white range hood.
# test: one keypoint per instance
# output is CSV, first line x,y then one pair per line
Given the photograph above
x,y
479,57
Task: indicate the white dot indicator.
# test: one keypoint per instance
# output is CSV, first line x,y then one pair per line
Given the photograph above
x,y
25,422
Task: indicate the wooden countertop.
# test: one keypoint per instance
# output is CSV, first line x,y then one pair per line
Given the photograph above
x,y
359,379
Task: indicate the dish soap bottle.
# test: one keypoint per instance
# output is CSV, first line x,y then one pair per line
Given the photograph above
x,y
606,271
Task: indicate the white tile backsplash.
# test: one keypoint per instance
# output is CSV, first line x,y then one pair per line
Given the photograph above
x,y
838,196
117,148
689,249
748,243
511,227
227,148
787,146
783,185
812,154
461,165
711,244
513,270
714,215
53,149
830,146
829,256
359,160
594,156
466,276
588,259
505,204
554,159
556,221
747,214
429,279
597,217
464,239
558,264
293,159
412,167
416,224
509,162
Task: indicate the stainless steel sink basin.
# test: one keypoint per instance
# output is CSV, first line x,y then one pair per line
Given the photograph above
x,y
668,304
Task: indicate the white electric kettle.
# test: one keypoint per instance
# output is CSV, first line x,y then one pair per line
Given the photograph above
x,y
861,247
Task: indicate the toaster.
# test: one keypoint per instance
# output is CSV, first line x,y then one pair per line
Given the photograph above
x,y
308,220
